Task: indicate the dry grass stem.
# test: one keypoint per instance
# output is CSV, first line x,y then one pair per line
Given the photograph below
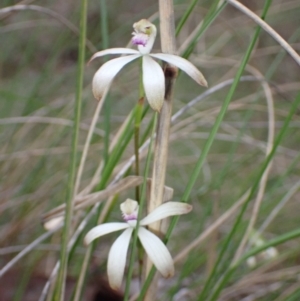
x,y
48,120
286,46
52,14
26,250
168,45
263,182
287,197
212,228
88,142
88,200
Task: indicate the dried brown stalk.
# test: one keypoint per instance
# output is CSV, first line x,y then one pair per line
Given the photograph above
x,y
167,34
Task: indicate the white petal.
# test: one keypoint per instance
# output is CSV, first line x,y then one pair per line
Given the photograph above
x,y
166,210
113,51
157,252
102,230
154,83
104,76
184,65
117,259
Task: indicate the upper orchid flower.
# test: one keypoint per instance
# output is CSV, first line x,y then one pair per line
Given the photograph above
x,y
153,78
156,250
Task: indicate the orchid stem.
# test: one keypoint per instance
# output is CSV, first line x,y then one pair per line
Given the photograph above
x,y
142,201
137,124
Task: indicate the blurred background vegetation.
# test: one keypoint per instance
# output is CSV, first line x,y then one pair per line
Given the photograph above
x,y
38,63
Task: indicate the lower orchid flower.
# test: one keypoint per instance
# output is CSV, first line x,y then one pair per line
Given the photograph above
x,y
153,77
154,247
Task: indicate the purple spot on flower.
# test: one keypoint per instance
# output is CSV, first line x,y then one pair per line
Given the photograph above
x,y
139,39
130,217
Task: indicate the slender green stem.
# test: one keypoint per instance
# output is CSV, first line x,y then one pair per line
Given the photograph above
x,y
208,20
104,24
147,130
107,106
137,125
146,284
185,17
117,152
106,117
141,205
136,149
59,293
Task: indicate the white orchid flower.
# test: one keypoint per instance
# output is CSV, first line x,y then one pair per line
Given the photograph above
x,y
153,77
154,247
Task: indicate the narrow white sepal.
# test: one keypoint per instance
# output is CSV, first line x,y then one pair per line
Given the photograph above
x,y
154,82
166,210
107,72
113,51
157,252
103,230
117,259
184,65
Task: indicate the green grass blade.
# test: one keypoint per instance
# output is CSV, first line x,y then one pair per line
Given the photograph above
x,y
59,292
208,20
107,105
185,17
